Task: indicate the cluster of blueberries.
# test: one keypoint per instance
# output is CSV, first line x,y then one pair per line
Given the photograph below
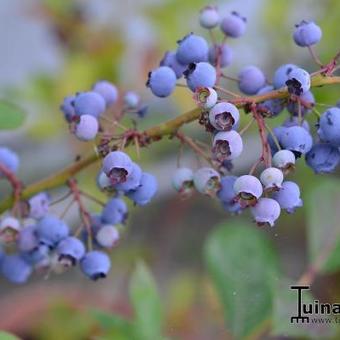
x,y
201,65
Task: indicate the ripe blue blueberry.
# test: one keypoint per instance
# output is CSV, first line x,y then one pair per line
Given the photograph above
x,y
281,75
27,239
278,132
67,107
271,178
9,159
288,196
227,196
271,106
107,90
117,165
222,54
248,189
132,181
147,189
182,180
329,126
171,61
89,103
192,49
296,139
38,205
95,265
251,80
298,81
205,97
114,212
86,128
284,160
107,236
200,75
227,145
307,98
207,181
15,269
131,100
224,116
37,256
323,158
162,81
234,25
70,250
307,33
51,230
209,17
266,211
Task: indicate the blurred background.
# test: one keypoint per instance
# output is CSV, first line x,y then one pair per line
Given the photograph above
x,y
53,48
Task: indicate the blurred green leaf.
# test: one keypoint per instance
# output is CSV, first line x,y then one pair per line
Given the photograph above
x,y
113,325
11,116
146,302
285,306
243,266
7,336
323,211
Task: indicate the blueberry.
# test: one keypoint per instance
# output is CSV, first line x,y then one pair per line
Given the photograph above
x,y
67,107
251,80
87,128
37,255
115,211
227,196
288,196
281,75
224,116
27,239
278,132
117,165
51,230
182,180
307,33
162,81
227,145
234,25
272,106
323,158
9,159
147,189
266,211
205,97
298,81
248,189
296,139
171,61
192,49
271,178
9,223
107,90
329,126
70,250
207,181
284,159
221,53
95,264
306,98
107,236
103,182
209,17
200,75
39,205
15,269
295,121
131,100
132,181
89,103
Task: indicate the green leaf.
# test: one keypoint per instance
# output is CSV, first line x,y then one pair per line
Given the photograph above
x,y
146,302
285,306
243,266
114,325
11,116
7,336
323,211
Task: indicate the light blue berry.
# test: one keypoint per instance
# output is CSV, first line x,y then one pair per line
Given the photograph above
x,y
70,249
200,75
234,25
117,165
171,61
15,269
95,265
209,17
281,75
67,107
266,211
224,116
114,212
227,145
107,90
192,49
9,159
39,205
162,81
307,33
86,128
89,103
296,139
329,126
298,81
288,196
251,80
133,180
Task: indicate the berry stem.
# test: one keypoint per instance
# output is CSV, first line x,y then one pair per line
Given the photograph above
x,y
314,56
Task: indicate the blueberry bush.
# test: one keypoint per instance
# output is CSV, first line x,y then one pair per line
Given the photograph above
x,y
293,128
